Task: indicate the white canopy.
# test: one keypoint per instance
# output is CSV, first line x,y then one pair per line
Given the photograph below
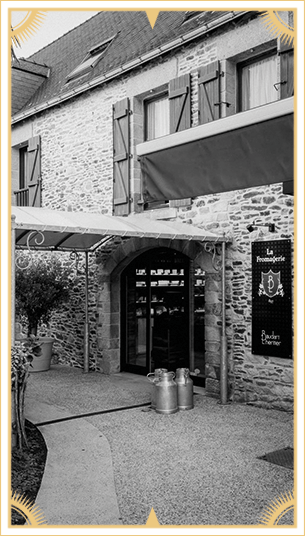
x,y
85,231
46,229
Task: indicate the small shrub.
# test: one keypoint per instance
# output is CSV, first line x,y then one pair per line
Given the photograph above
x,y
41,287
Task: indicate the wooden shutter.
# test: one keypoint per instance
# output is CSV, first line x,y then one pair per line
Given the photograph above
x,y
180,103
287,63
288,188
209,92
33,172
180,116
121,157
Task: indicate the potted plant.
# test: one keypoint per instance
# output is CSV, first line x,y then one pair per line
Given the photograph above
x,y
42,286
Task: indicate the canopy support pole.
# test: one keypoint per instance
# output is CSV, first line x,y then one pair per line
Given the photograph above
x,y
86,328
224,356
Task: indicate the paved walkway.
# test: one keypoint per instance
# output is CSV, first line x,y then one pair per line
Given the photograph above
x,y
107,468
73,491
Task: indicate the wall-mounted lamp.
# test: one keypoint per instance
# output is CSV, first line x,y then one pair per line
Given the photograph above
x,y
253,226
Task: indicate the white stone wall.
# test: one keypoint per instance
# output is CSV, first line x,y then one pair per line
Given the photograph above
x,y
76,149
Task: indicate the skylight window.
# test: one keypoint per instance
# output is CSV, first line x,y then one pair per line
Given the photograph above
x,y
191,15
91,59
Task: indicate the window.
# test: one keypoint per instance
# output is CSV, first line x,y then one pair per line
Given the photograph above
x,y
156,117
91,59
257,82
156,124
23,164
190,15
29,179
203,16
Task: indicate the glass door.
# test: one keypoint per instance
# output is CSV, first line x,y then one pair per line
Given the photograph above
x,y
198,326
135,318
158,314
169,310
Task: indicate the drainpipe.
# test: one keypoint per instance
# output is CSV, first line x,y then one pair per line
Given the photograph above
x,y
86,329
223,357
13,284
13,322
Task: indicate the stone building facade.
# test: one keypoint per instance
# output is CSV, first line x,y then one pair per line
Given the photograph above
x,y
76,149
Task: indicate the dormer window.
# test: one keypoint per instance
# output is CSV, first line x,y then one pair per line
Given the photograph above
x,y
91,59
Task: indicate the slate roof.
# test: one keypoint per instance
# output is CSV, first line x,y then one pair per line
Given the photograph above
x,y
134,38
31,67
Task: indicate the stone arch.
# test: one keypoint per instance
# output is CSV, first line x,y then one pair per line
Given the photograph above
x,y
109,298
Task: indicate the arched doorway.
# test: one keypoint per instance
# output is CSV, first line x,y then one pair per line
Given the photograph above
x,y
162,313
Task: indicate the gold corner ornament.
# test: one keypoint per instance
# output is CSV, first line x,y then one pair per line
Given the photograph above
x,y
278,27
28,26
277,509
152,15
29,511
152,521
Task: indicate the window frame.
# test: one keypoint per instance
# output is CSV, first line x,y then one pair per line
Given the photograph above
x,y
23,167
239,68
154,97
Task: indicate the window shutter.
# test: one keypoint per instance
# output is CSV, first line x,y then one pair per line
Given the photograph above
x,y
180,103
288,188
180,116
33,172
121,157
209,92
287,60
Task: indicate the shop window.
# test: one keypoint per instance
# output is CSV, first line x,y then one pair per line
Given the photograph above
x,y
29,192
156,117
257,82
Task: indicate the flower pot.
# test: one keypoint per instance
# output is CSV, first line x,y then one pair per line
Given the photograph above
x,y
42,363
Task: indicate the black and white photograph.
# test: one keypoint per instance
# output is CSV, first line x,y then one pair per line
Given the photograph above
x,y
153,286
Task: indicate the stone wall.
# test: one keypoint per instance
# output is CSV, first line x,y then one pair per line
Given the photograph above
x,y
67,323
260,380
76,145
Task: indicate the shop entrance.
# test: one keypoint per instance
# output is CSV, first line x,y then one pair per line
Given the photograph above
x,y
162,313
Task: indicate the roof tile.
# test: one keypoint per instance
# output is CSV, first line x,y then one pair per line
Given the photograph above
x,y
134,37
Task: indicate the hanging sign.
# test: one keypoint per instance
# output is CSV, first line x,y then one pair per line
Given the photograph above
x,y
271,298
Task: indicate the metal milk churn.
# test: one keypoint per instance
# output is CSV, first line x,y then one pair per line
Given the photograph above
x,y
153,378
185,389
166,394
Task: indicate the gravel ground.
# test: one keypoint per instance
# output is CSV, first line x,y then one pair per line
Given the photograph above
x,y
69,388
196,467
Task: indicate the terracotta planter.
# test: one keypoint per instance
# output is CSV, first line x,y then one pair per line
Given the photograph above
x,y
42,363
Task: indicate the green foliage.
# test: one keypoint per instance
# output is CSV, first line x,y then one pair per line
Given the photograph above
x,y
40,289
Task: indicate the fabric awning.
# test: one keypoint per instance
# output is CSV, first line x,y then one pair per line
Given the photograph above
x,y
249,149
85,231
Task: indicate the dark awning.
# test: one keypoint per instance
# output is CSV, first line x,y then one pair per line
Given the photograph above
x,y
249,149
